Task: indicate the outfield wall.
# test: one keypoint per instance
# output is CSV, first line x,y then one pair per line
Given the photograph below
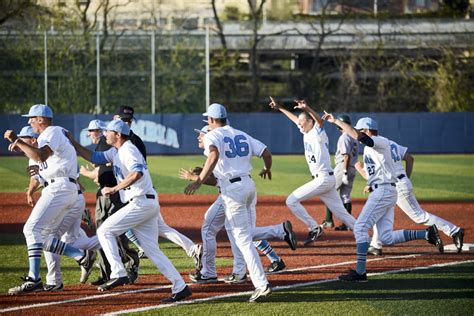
x,y
172,134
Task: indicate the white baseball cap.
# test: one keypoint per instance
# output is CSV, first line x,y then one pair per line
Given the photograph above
x,y
216,110
27,131
39,110
118,126
366,122
95,125
203,130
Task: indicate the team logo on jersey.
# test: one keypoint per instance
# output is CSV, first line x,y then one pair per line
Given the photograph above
x,y
307,147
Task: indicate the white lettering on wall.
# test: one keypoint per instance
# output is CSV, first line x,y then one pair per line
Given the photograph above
x,y
148,131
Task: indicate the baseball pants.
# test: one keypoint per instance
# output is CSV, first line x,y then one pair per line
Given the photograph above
x,y
238,198
407,202
344,190
323,185
141,215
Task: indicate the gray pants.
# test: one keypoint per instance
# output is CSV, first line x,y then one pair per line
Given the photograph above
x,y
106,206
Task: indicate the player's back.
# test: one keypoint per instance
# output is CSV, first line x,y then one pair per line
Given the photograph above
x,y
236,149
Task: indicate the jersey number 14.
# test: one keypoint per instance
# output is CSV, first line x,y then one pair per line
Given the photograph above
x,y
237,146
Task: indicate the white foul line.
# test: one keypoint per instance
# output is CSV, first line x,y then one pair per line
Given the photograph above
x,y
99,296
284,287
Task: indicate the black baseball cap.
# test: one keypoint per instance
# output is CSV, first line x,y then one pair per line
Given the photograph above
x,y
125,112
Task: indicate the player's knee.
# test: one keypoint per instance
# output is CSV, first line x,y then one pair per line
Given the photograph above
x,y
291,201
386,238
361,233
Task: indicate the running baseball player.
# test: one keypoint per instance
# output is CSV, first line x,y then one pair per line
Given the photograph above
x,y
379,208
346,157
57,166
214,221
140,213
407,202
319,163
229,153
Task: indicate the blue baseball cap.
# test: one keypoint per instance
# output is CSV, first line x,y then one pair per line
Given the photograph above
x,y
95,125
366,122
118,126
203,130
39,110
216,110
27,131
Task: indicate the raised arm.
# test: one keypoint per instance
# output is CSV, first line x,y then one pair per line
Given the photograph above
x,y
37,154
276,106
302,105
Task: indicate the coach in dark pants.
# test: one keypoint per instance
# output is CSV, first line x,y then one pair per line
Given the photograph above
x,y
106,206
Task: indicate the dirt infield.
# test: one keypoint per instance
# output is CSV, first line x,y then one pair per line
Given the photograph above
x,y
330,255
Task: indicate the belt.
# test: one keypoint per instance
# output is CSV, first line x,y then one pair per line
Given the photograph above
x,y
148,196
330,173
79,192
46,183
400,176
375,186
236,179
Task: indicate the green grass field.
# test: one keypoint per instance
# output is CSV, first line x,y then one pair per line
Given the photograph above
x,y
435,177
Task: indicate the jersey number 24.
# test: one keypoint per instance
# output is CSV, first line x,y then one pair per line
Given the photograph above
x,y
237,146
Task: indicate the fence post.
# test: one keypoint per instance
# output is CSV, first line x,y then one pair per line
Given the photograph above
x,y
46,67
97,43
208,88
153,108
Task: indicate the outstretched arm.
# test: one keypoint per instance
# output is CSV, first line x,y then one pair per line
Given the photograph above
x,y
81,151
301,104
276,106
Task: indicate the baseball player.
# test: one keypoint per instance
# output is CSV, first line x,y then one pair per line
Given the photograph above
x,y
319,163
69,230
57,166
346,157
229,153
214,221
378,210
107,205
407,202
140,213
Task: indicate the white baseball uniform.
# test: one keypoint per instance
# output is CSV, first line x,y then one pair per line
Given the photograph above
x,y
238,191
406,199
378,210
323,183
140,214
59,194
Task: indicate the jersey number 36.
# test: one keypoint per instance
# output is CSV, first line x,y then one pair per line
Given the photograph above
x,y
237,146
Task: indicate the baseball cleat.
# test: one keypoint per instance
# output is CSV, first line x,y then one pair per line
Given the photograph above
x,y
53,287
28,286
110,284
87,263
197,257
99,281
141,254
433,238
353,276
458,239
133,274
327,224
276,266
197,277
260,293
290,236
374,251
313,235
235,279
181,295
341,227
